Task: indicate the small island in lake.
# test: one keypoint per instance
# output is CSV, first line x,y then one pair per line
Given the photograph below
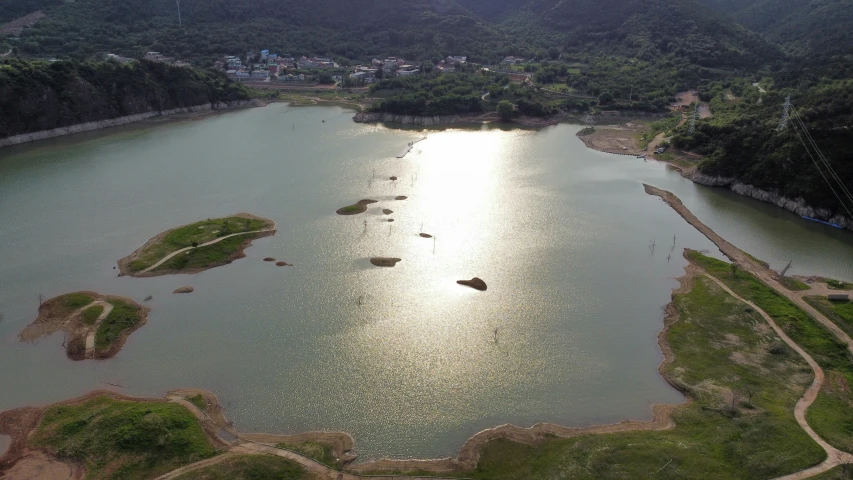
x,y
196,247
97,325
356,208
475,283
384,261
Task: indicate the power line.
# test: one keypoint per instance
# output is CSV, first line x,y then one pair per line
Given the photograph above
x,y
821,172
786,110
823,157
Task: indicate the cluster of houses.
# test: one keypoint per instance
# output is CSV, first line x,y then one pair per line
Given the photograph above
x,y
159,57
273,66
269,66
399,67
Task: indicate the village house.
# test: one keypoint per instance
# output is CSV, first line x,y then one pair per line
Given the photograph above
x,y
260,74
512,60
306,62
456,59
154,56
233,62
119,58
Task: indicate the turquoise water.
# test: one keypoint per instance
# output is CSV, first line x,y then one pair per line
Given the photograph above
x,y
402,358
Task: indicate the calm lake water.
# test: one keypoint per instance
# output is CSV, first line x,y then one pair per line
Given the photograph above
x,y
403,358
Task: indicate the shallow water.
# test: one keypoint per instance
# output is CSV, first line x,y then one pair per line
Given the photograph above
x,y
403,358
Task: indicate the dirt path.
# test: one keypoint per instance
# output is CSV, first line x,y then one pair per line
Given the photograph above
x,y
834,457
90,337
749,264
176,252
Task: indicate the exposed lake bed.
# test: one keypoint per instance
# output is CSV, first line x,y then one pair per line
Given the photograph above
x,y
401,358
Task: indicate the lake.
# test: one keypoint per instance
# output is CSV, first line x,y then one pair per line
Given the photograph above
x,y
403,358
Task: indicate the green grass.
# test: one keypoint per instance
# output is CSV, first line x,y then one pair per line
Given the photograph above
x,y
123,316
318,451
838,284
250,467
91,314
199,232
793,284
64,305
116,439
838,311
841,472
659,126
205,257
830,415
720,346
352,208
198,401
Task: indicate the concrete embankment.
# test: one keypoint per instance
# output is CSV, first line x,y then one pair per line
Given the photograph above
x,y
797,205
370,117
115,122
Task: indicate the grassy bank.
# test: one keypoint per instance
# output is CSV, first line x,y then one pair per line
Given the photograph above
x,y
124,316
64,305
838,311
193,235
793,284
211,255
830,415
250,467
745,383
119,439
317,451
91,314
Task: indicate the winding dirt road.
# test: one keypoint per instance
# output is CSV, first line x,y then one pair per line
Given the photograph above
x,y
176,252
834,456
90,337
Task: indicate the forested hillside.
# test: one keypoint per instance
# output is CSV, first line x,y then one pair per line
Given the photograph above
x,y
420,29
642,29
803,27
352,29
37,95
742,140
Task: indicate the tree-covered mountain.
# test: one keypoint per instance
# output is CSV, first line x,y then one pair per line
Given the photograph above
x,y
418,29
350,29
38,95
804,27
634,28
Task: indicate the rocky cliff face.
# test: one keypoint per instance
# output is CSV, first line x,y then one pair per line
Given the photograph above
x,y
797,205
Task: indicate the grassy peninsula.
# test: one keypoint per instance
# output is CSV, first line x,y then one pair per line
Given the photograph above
x,y
743,383
196,247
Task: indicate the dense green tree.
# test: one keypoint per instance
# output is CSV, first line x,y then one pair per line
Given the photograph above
x,y
506,110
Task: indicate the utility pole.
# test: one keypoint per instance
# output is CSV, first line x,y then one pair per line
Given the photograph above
x,y
786,110
179,12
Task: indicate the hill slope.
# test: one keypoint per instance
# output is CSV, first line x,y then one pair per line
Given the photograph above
x,y
816,26
351,29
41,96
636,28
